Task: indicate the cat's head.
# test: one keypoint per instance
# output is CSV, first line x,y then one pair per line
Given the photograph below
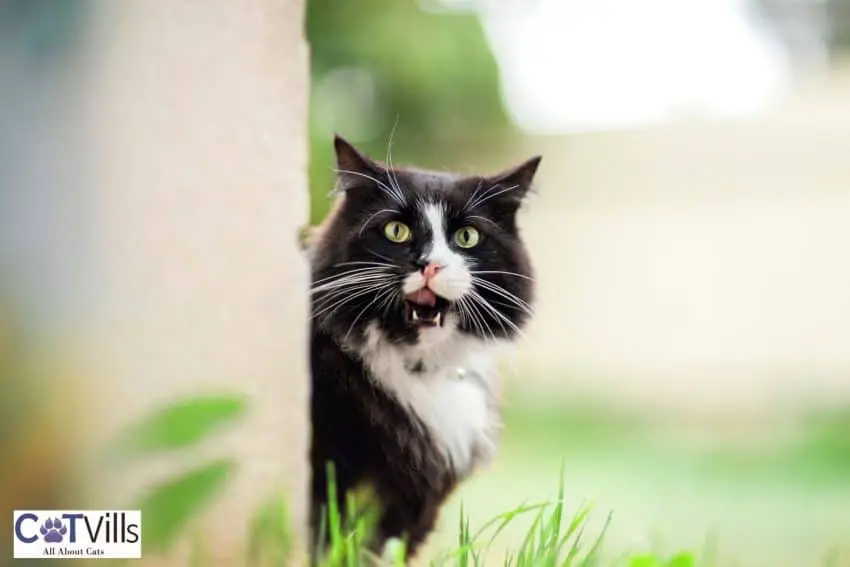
x,y
418,252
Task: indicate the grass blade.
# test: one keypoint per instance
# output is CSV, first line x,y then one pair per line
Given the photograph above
x,y
168,507
591,559
178,426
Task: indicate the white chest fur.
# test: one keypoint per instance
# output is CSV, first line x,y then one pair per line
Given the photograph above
x,y
448,382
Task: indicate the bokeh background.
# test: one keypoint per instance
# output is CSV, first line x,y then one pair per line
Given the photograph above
x,y
38,246
689,365
690,359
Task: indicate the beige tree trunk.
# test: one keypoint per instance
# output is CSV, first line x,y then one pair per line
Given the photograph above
x,y
196,119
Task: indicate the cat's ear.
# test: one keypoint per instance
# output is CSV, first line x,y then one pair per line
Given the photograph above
x,y
515,182
349,158
353,167
521,175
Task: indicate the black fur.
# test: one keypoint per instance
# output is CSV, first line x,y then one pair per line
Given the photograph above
x,y
358,425
369,437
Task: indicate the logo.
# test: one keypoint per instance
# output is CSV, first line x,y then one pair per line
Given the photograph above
x,y
69,534
53,530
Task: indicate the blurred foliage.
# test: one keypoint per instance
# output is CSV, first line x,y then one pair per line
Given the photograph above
x,y
181,425
171,504
270,535
817,455
392,67
554,537
823,451
678,560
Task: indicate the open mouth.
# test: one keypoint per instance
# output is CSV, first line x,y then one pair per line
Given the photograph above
x,y
424,308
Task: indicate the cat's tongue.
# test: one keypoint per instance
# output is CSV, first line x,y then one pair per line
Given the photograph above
x,y
422,297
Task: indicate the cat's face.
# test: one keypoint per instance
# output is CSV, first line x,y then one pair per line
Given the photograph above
x,y
421,252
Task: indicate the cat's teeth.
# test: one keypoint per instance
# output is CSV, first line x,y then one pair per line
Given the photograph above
x,y
437,318
415,315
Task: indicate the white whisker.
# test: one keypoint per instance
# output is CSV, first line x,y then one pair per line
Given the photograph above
x,y
381,256
472,197
346,280
474,202
487,195
385,305
389,191
390,173
366,270
365,176
387,291
499,290
329,296
484,219
478,320
480,301
324,295
373,215
486,304
355,263
479,316
350,297
500,272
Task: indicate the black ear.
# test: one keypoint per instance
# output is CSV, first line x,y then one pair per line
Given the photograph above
x,y
353,167
349,158
522,175
514,183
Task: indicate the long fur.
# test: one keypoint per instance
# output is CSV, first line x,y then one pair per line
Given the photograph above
x,y
408,409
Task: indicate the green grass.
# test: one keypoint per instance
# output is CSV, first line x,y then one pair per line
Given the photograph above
x,y
767,499
555,538
775,509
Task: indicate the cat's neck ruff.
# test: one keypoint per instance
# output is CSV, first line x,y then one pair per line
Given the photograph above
x,y
448,380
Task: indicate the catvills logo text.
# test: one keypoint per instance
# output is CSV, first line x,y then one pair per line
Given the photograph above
x,y
84,534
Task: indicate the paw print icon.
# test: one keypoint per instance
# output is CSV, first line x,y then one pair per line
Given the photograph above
x,y
53,530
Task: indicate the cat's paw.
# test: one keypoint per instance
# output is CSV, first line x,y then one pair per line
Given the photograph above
x,y
394,552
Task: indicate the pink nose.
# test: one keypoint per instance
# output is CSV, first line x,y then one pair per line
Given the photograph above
x,y
431,270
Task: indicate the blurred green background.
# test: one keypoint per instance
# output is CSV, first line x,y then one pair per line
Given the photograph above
x,y
425,76
737,444
749,488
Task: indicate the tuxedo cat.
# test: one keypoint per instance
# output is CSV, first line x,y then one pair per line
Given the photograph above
x,y
418,277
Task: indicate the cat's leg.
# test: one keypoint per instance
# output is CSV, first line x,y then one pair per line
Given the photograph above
x,y
409,522
422,528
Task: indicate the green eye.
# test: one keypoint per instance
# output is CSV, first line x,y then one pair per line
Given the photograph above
x,y
467,237
397,232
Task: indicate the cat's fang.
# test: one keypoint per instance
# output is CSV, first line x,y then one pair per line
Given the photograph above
x,y
415,315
